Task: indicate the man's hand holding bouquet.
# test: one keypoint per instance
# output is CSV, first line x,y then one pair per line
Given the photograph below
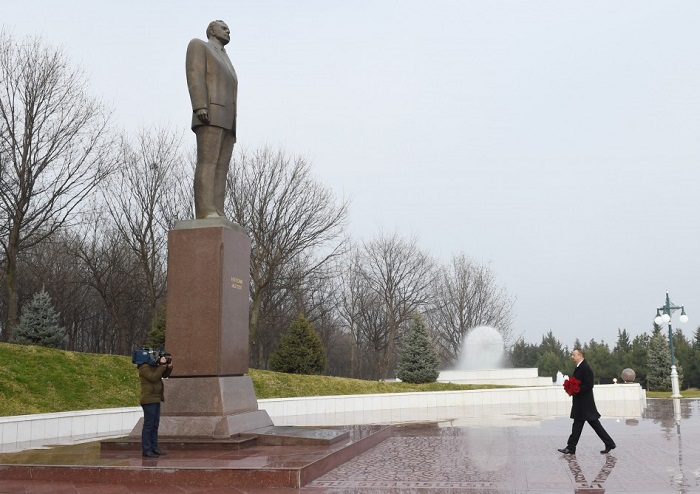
x,y
572,386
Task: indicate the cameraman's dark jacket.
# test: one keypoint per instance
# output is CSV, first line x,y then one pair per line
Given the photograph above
x,y
151,383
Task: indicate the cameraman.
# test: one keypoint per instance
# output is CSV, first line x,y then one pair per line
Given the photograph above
x,y
151,376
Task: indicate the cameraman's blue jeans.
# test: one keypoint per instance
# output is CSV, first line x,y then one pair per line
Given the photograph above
x,y
151,420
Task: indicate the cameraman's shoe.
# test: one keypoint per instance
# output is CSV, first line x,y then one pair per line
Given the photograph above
x,y
150,454
159,452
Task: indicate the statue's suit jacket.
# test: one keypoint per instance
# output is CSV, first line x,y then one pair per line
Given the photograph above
x,y
212,83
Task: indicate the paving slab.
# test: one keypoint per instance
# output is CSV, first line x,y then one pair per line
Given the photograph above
x,y
657,453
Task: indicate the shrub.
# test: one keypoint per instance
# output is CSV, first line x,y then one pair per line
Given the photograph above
x,y
418,362
38,324
156,337
300,350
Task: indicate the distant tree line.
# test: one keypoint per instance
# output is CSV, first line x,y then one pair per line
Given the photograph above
x,y
648,354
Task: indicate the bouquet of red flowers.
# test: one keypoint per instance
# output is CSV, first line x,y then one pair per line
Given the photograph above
x,y
572,386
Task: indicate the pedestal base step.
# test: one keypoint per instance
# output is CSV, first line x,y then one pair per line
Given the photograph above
x,y
181,444
296,436
267,436
262,467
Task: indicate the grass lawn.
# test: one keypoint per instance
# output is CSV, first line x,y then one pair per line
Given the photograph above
x,y
685,393
43,380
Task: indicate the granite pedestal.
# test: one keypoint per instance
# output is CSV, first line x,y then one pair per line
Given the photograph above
x,y
207,395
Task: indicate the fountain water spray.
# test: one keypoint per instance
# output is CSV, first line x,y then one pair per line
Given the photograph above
x,y
482,362
482,349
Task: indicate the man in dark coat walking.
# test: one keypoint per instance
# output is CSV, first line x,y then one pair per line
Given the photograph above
x,y
583,408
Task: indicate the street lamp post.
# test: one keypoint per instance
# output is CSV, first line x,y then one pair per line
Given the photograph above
x,y
663,316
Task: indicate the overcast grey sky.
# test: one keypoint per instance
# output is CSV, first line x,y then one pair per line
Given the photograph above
x,y
558,141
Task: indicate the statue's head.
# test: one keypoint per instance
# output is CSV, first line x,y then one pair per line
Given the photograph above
x,y
219,30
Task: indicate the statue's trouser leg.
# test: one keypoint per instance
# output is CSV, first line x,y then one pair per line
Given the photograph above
x,y
222,167
214,149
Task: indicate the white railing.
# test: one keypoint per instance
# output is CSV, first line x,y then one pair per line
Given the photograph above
x,y
613,400
493,406
30,431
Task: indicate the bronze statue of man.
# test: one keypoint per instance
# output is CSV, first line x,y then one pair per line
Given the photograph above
x,y
213,87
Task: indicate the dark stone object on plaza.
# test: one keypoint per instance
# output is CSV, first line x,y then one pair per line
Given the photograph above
x,y
628,375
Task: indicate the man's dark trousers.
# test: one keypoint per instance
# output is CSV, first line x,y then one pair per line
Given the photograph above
x,y
577,427
151,420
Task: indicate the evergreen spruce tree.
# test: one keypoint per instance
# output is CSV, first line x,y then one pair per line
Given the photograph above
x,y
418,362
696,339
300,350
156,337
549,363
38,324
659,363
693,368
638,357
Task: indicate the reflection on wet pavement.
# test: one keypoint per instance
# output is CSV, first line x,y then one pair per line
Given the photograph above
x,y
650,458
513,456
580,477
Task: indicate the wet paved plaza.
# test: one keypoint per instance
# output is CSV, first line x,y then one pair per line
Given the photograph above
x,y
658,452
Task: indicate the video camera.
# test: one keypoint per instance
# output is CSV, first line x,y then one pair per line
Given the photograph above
x,y
150,356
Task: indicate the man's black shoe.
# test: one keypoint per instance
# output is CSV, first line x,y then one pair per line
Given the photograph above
x,y
150,454
159,452
608,449
567,451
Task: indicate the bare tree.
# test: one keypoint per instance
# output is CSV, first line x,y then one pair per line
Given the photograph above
x,y
363,315
54,266
290,218
467,297
350,294
54,150
144,199
315,298
114,272
312,296
399,278
48,266
374,355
